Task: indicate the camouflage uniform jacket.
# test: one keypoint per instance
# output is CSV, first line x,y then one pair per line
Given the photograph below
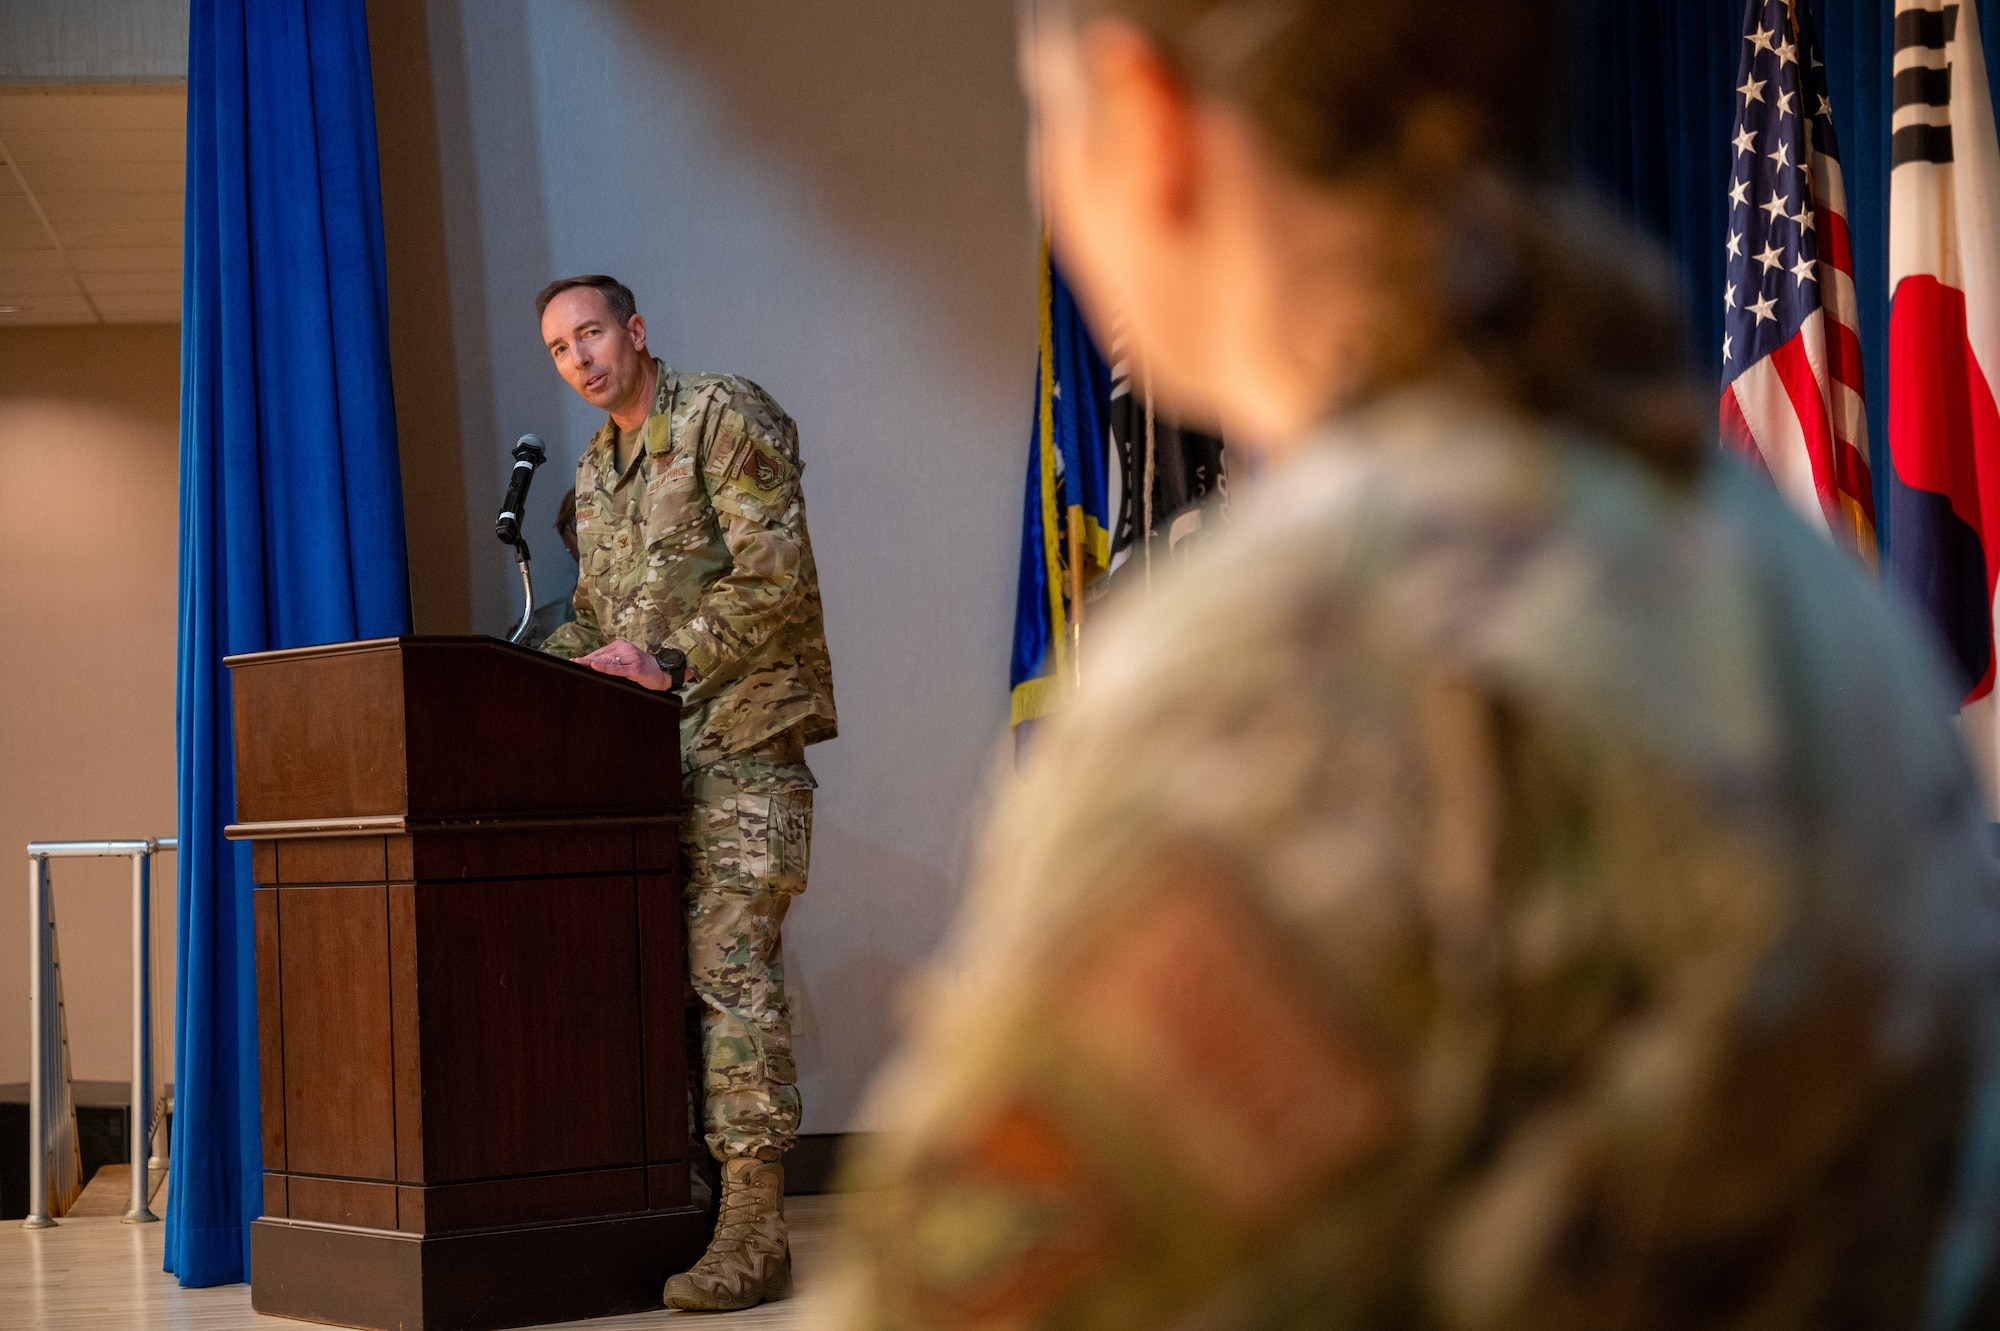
x,y
1489,887
701,544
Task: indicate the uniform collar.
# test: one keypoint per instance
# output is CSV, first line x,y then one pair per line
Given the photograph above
x,y
655,430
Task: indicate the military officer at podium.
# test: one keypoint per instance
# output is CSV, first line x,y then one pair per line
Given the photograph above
x,y
693,561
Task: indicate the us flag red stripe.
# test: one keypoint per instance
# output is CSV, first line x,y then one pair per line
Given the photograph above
x,y
1791,357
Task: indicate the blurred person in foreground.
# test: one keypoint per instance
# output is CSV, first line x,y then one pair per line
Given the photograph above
x,y
1517,877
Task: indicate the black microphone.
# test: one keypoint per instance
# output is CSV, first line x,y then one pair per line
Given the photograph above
x,y
528,455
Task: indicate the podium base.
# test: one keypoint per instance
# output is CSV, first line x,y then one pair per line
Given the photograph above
x,y
386,1281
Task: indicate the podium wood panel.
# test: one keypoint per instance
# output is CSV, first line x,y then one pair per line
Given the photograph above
x,y
405,1033
339,1106
552,1049
471,985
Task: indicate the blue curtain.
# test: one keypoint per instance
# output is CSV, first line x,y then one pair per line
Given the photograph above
x,y
1654,101
1655,105
291,506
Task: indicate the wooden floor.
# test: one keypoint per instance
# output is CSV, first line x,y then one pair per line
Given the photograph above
x,y
99,1273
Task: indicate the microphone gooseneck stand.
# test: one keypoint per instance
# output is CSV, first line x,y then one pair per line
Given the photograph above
x,y
527,591
528,455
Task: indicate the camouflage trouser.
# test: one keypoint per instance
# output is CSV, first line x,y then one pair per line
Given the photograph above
x,y
745,846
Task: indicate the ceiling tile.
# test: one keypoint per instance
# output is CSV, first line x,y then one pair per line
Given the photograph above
x,y
107,166
114,233
15,210
104,285
128,259
18,287
151,310
24,236
33,261
96,108
105,177
50,311
41,318
96,145
123,206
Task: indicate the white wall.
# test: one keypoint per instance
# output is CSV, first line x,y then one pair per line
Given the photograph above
x,y
830,199
90,414
89,441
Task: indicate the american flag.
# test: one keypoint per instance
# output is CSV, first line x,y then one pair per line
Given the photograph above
x,y
1791,355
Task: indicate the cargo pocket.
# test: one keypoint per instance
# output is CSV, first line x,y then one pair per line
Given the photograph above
x,y
779,1069
775,835
791,840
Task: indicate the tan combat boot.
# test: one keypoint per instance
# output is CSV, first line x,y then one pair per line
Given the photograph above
x,y
748,1261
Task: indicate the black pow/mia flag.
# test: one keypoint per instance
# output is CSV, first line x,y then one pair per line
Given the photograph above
x,y
1174,482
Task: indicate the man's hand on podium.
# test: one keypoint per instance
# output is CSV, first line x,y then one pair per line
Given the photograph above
x,y
621,658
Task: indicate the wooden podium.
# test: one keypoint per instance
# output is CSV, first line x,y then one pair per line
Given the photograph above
x,y
471,985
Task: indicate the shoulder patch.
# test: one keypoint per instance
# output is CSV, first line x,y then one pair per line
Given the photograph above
x,y
1191,1007
1005,1221
762,471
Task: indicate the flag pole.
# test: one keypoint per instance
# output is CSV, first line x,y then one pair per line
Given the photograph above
x,y
1061,631
1152,445
1076,593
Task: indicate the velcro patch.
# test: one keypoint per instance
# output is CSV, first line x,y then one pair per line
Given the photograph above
x,y
730,442
678,471
763,471
1244,1073
1006,1222
659,436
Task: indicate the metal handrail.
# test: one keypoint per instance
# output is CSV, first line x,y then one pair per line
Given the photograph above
x,y
141,854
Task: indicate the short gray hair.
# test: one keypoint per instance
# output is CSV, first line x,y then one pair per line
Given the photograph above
x,y
616,294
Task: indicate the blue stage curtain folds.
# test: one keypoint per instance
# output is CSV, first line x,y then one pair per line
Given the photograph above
x,y
291,507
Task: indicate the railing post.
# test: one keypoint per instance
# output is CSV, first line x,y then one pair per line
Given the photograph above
x,y
40,1018
141,1121
38,1126
162,1140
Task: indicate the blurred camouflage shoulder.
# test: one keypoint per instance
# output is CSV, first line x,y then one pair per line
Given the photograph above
x,y
1485,848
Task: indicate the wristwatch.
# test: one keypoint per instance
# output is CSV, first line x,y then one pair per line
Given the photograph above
x,y
674,662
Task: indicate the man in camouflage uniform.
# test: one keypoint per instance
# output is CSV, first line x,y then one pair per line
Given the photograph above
x,y
693,556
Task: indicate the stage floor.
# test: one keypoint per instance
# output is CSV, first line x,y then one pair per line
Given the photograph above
x,y
95,1273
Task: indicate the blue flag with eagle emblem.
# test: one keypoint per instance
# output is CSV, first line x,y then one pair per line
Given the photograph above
x,y
1066,521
